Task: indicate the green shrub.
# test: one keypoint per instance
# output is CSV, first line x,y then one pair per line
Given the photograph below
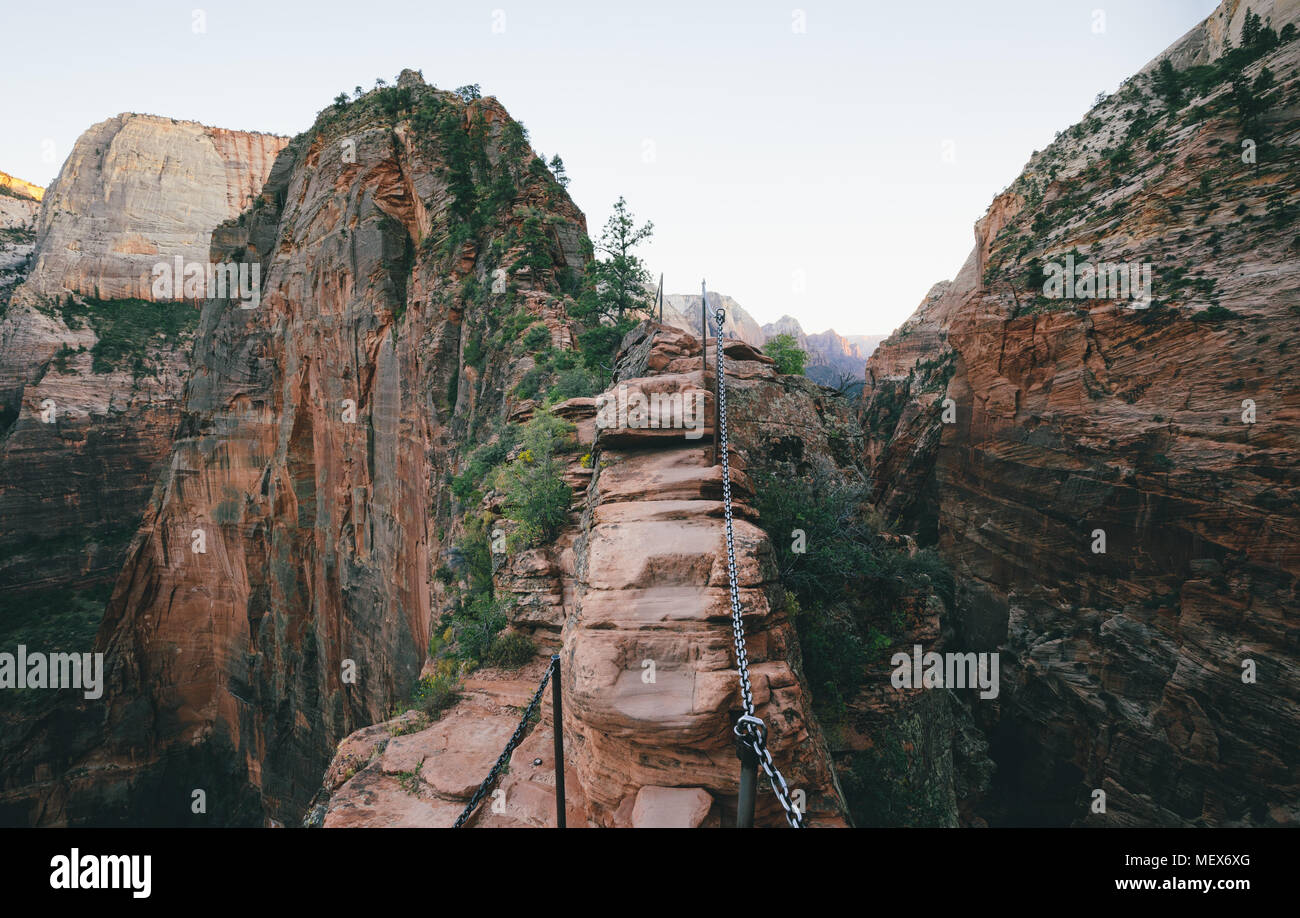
x,y
474,354
848,590
564,360
538,337
599,346
574,383
511,650
477,628
839,545
476,551
126,328
481,461
531,383
790,359
1214,314
435,693
537,497
536,254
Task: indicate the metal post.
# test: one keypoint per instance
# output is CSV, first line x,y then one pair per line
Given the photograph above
x,y
557,717
717,420
704,333
748,786
704,353
661,299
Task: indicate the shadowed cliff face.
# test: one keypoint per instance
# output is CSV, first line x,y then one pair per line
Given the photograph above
x,y
1160,666
277,593
90,388
90,376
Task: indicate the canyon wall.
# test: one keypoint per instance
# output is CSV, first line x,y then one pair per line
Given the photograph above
x,y
1115,481
277,593
19,206
91,376
638,581
90,382
137,190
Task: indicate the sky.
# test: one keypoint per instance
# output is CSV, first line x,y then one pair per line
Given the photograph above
x,y
825,160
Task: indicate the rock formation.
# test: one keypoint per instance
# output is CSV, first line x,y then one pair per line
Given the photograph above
x,y
137,190
19,205
683,311
90,383
649,581
277,594
1115,482
638,579
832,359
10,186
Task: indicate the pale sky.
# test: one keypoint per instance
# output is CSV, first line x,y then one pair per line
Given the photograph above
x,y
771,143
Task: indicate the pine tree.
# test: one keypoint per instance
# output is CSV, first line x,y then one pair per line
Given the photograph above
x,y
557,167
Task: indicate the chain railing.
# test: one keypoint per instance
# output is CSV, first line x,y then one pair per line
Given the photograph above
x,y
751,732
515,739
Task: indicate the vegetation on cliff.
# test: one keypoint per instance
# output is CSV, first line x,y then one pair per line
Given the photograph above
x,y
785,350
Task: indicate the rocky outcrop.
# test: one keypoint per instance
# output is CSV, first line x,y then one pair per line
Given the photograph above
x,y
137,190
653,599
90,387
683,311
10,186
1115,485
17,239
646,651
90,384
277,594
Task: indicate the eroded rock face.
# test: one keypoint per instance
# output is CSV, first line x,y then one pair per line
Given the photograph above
x,y
650,686
1123,667
18,211
136,190
649,648
278,592
90,390
139,189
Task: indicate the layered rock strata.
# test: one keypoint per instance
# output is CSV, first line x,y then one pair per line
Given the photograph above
x,y
1115,481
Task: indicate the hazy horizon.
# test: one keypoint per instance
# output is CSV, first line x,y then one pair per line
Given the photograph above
x,y
827,161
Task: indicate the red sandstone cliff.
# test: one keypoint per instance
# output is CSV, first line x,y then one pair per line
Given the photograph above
x,y
311,464
1174,429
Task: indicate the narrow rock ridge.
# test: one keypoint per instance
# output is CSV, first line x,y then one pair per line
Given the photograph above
x,y
650,683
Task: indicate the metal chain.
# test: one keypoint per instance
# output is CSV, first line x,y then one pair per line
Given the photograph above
x,y
505,756
749,729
